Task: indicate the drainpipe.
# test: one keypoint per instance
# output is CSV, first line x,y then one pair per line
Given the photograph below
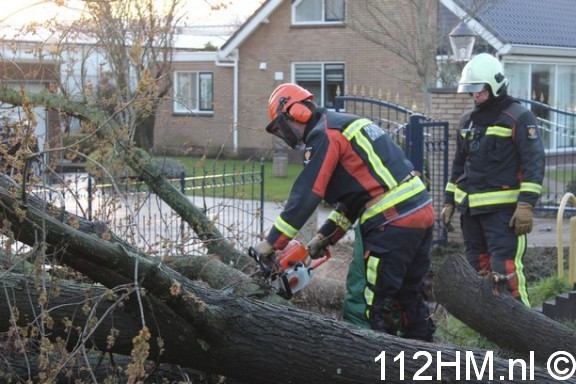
x,y
233,62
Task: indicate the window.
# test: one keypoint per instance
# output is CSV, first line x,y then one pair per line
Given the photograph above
x,y
317,11
193,92
323,80
551,85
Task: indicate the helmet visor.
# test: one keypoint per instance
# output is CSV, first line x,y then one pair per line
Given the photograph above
x,y
279,127
471,87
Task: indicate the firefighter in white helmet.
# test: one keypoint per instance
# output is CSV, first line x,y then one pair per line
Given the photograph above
x,y
497,174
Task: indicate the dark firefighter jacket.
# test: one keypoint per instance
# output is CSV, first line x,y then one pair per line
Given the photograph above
x,y
349,161
499,158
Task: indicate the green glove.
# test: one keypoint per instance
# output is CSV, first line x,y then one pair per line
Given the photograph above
x,y
522,219
446,216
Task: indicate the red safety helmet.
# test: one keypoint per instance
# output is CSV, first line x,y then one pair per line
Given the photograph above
x,y
286,103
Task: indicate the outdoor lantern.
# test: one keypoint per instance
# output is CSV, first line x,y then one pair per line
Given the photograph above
x,y
462,41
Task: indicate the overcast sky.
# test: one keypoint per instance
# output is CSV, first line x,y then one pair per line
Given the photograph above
x,y
22,11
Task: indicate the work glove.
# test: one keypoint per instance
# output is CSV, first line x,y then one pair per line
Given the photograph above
x,y
522,219
264,249
317,246
446,216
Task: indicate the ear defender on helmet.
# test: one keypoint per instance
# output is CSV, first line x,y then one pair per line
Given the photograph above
x,y
300,112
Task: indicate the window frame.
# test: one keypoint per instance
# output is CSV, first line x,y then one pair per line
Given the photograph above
x,y
202,96
321,99
524,73
325,20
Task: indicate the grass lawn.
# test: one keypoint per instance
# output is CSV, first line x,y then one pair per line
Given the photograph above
x,y
563,174
275,188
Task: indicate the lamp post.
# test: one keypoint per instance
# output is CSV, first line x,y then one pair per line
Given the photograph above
x,y
462,40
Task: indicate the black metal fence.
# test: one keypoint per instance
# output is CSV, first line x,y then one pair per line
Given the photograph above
x,y
231,196
558,131
425,141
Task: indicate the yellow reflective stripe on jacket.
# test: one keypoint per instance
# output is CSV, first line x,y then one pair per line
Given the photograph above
x,y
493,198
340,220
499,131
526,186
450,187
354,128
354,131
459,195
394,196
285,228
482,199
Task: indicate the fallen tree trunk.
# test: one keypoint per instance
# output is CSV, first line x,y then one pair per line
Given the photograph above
x,y
494,313
107,345
141,163
91,367
25,369
75,308
226,327
321,295
235,336
242,330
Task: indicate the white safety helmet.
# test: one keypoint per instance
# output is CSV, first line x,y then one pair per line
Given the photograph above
x,y
484,69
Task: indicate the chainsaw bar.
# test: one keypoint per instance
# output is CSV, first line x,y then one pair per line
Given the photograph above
x,y
289,270
270,270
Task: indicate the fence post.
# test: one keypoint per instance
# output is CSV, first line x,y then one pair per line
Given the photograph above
x,y
262,195
415,142
90,197
338,103
183,190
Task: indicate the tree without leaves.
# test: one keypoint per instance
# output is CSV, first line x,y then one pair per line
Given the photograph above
x,y
411,33
226,333
169,317
406,31
131,44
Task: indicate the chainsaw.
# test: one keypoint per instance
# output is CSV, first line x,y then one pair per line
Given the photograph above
x,y
289,270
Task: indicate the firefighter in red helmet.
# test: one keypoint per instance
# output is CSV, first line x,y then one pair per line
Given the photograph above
x,y
289,102
353,163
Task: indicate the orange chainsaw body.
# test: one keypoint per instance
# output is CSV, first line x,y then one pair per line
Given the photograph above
x,y
296,266
290,269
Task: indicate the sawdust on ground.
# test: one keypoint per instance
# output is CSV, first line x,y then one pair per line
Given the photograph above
x,y
539,261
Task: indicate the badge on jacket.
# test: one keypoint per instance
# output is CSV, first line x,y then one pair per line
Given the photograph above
x,y
307,154
532,132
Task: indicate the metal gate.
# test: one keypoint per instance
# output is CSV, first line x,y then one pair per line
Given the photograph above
x,y
424,141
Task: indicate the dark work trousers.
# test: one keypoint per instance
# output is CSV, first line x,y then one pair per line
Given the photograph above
x,y
397,257
492,246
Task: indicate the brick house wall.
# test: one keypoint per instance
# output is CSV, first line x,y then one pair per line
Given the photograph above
x,y
278,44
447,105
182,134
